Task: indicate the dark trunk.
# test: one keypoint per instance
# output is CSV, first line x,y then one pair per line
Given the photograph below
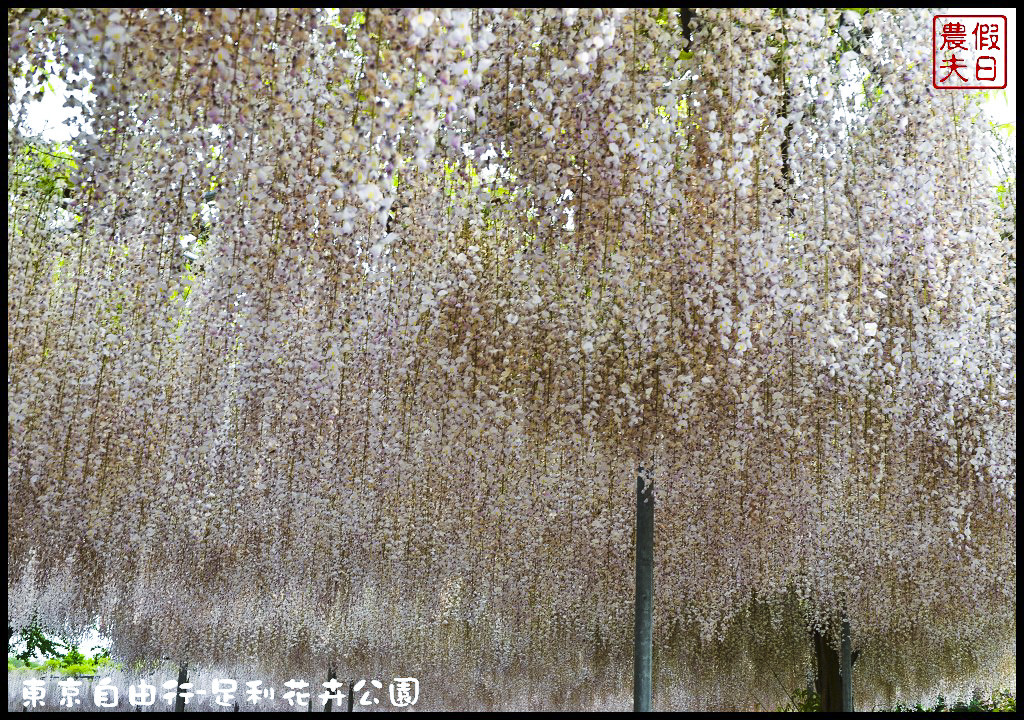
x,y
828,682
179,701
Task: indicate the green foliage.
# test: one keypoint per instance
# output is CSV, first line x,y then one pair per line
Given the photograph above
x,y
73,657
71,663
1002,190
1009,127
802,701
64,658
1001,701
35,640
16,664
52,165
79,669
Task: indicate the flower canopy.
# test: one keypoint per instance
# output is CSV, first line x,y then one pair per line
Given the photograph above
x,y
451,277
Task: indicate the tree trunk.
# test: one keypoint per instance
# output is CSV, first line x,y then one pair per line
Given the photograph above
x,y
828,682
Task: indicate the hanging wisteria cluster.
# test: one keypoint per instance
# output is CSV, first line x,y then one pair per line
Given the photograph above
x,y
465,273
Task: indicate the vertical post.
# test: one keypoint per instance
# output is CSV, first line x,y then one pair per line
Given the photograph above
x,y
179,701
330,676
350,696
846,670
644,593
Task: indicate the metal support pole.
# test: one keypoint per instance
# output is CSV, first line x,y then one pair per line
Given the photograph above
x,y
350,696
846,667
644,593
179,701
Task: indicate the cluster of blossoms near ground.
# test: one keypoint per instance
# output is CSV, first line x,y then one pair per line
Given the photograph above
x,y
462,273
